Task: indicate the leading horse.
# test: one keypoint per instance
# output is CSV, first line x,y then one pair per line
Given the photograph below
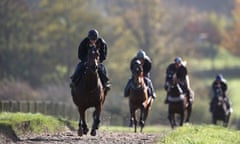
x,y
138,98
89,92
178,103
220,108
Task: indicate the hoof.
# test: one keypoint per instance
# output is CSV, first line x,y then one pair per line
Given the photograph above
x,y
85,131
93,133
80,132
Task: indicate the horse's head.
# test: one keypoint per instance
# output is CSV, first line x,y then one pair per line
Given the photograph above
x,y
137,72
93,59
171,79
219,94
172,85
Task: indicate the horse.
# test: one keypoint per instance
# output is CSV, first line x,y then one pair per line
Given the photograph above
x,y
89,93
138,99
220,108
178,103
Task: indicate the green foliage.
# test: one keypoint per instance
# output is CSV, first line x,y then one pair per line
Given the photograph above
x,y
202,134
27,123
39,39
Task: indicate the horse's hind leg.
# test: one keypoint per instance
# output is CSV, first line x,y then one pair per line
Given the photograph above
x,y
143,116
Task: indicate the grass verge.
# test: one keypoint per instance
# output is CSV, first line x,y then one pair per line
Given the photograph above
x,y
202,134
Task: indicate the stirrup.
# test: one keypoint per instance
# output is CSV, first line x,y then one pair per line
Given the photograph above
x,y
107,86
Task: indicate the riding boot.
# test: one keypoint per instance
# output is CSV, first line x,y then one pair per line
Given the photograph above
x,y
105,81
127,89
149,84
166,99
77,74
211,104
75,81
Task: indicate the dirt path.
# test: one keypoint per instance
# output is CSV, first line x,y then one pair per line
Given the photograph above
x,y
103,137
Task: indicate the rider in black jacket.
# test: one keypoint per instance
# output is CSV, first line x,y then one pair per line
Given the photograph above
x,y
181,72
91,40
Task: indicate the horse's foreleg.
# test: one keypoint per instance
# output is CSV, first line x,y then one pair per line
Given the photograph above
x,y
131,120
143,116
96,120
182,116
189,112
83,129
214,120
135,120
80,132
171,120
82,126
226,121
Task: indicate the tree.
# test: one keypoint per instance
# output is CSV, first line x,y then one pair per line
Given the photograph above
x,y
232,34
39,39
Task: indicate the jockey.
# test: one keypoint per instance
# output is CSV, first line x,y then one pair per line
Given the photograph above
x,y
91,40
147,65
180,69
221,83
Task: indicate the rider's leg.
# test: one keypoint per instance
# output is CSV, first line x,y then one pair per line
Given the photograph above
x,y
166,87
151,91
127,88
77,74
228,103
103,76
166,99
187,92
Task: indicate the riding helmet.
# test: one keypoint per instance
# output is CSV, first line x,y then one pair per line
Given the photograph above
x,y
93,34
178,60
141,54
219,77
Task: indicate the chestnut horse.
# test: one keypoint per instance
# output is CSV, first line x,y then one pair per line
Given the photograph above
x,y
178,103
221,109
89,93
138,98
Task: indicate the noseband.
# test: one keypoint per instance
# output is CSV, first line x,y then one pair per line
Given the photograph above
x,y
93,59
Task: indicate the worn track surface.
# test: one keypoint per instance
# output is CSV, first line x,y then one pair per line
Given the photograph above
x,y
71,137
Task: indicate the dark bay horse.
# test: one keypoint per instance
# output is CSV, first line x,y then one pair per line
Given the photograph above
x,y
220,108
138,99
178,103
89,93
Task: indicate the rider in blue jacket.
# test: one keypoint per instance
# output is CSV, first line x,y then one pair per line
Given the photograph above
x,y
147,65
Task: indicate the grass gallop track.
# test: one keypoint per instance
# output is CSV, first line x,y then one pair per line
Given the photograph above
x,y
30,128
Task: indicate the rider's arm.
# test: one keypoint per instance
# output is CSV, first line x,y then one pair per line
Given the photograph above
x,y
82,50
103,49
188,82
